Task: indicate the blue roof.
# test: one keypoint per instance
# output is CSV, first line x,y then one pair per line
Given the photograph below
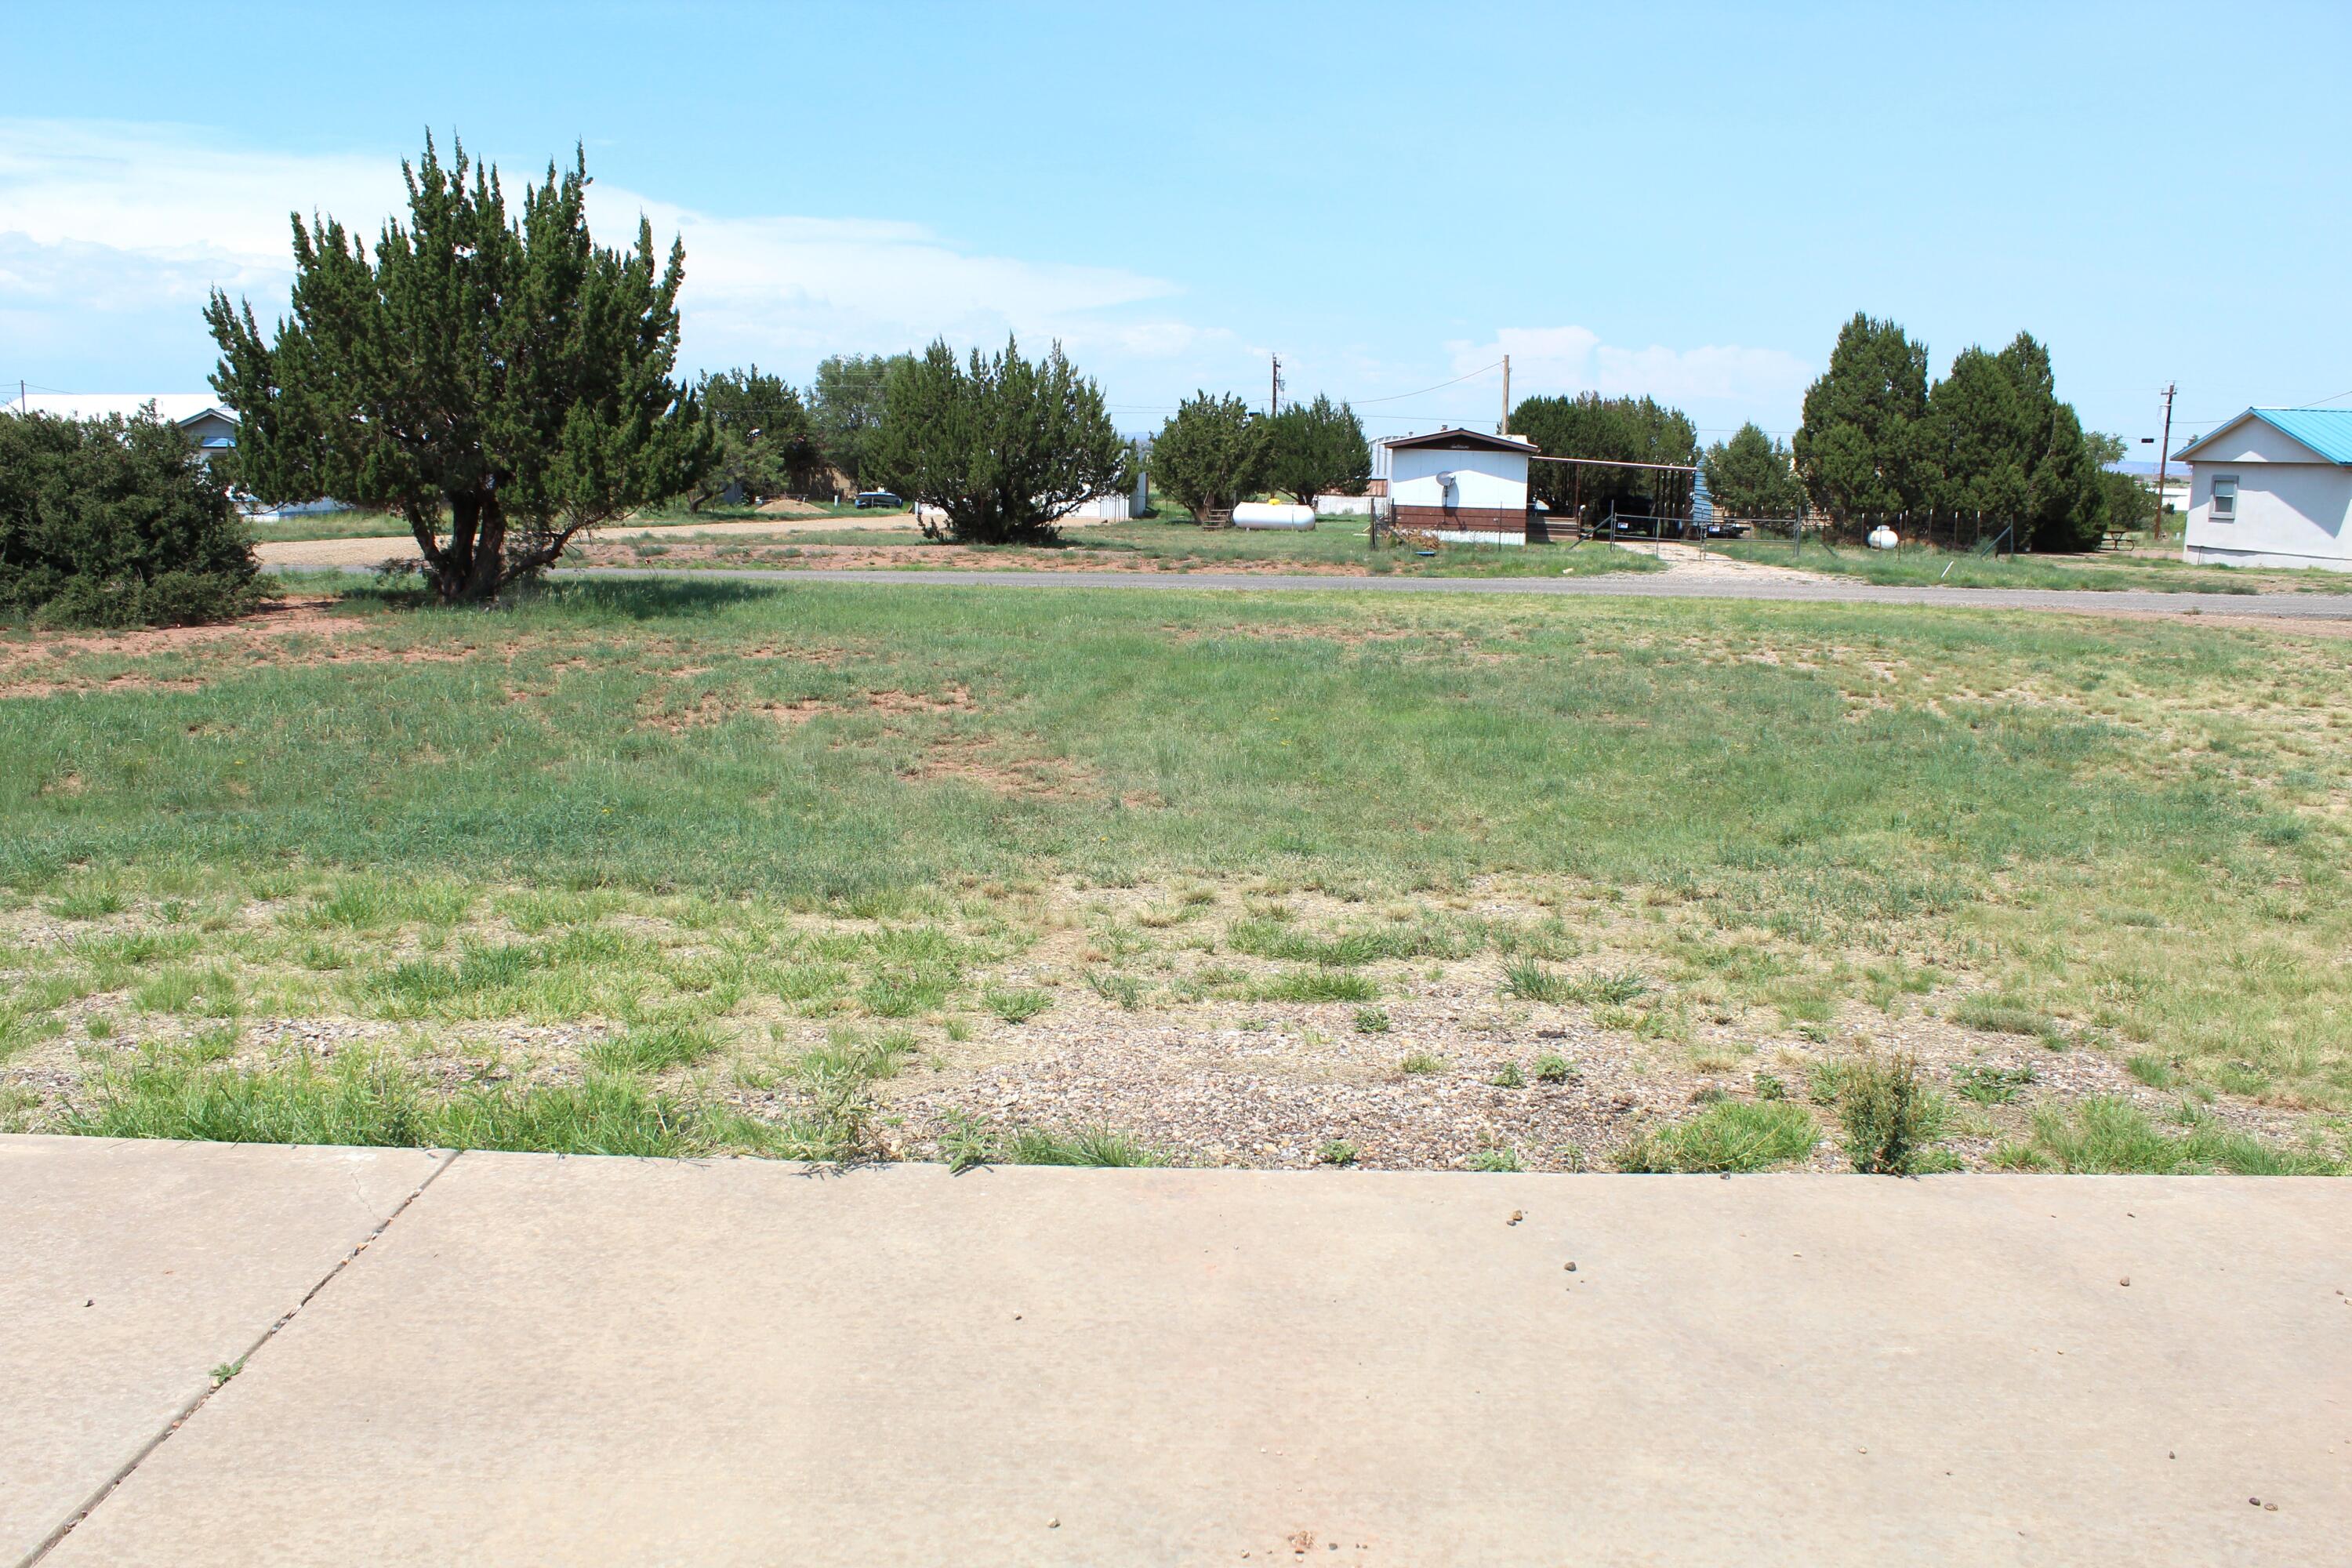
x,y
2326,431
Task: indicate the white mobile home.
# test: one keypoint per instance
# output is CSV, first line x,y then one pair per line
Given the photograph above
x,y
2271,488
1464,486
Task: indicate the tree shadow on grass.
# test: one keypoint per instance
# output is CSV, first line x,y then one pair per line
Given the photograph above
x,y
640,599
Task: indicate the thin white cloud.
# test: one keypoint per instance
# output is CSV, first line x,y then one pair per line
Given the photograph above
x,y
103,218
1574,359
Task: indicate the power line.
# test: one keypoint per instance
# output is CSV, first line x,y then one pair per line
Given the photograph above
x,y
1401,396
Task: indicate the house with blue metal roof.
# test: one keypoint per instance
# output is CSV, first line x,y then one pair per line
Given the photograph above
x,y
2271,488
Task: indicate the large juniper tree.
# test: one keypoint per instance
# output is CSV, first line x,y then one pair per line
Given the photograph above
x,y
1750,476
1860,448
500,382
1211,454
1622,430
1318,447
766,448
1002,446
2003,451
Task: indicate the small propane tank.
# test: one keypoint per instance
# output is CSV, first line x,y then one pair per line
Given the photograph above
x,y
1883,538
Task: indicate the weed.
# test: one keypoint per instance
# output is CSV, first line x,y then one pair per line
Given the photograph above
x,y
654,1048
1336,1151
87,902
1372,1021
1318,986
1990,1086
1531,981
1510,1077
1126,990
1084,1146
2153,1071
175,990
1770,1087
1825,1080
1733,1135
1420,1063
1889,1115
966,1141
1497,1157
1553,1067
2106,1136
2002,1016
902,994
1016,1005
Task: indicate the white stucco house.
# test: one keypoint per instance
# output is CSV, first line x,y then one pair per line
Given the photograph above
x,y
2271,488
1464,486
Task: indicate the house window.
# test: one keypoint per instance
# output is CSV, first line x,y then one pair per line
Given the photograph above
x,y
2225,497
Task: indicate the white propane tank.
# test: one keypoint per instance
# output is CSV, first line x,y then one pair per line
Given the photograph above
x,y
1266,514
1883,538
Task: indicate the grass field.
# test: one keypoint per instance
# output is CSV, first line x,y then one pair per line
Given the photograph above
x,y
830,871
1914,565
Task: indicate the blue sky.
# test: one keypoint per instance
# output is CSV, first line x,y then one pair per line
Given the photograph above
x,y
1680,200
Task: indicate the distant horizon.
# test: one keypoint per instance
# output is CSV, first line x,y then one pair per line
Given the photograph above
x,y
1177,215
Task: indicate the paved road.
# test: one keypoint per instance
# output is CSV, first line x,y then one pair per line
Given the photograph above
x,y
2297,607
542,1361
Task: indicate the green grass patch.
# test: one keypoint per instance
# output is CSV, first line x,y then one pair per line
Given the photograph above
x,y
1317,985
1734,1135
1015,1004
655,1048
376,1099
2112,1137
1991,1086
1080,1146
1531,982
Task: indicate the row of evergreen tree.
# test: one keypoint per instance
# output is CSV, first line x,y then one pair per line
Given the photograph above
x,y
1989,447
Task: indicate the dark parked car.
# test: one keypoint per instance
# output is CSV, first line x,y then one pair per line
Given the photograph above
x,y
879,497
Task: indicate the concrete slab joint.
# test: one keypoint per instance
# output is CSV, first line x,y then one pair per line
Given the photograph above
x,y
146,1269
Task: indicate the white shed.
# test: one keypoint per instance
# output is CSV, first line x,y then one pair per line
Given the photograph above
x,y
1464,486
2271,488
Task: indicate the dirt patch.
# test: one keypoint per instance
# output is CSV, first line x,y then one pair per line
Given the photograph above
x,y
955,699
286,618
1686,562
662,710
793,715
31,667
975,760
2314,625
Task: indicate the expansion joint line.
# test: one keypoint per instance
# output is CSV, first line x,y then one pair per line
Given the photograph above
x,y
442,1160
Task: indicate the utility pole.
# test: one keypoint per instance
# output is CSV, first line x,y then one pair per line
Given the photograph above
x,y
1274,393
2163,456
1506,394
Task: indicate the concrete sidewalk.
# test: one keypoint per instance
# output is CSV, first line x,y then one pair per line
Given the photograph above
x,y
582,1360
